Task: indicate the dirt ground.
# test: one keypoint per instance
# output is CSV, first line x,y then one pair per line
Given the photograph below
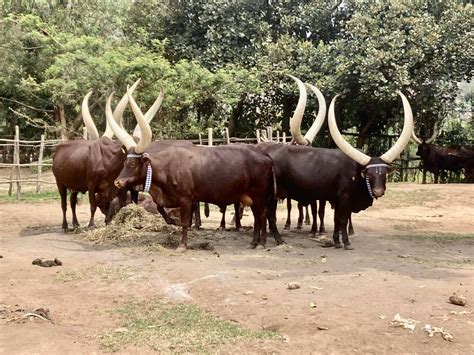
x,y
413,249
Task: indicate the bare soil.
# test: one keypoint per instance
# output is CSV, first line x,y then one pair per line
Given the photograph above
x,y
413,249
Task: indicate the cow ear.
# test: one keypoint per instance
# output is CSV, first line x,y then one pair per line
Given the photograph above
x,y
146,158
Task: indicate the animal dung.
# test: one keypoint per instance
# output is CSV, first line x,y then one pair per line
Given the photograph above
x,y
458,300
47,263
293,285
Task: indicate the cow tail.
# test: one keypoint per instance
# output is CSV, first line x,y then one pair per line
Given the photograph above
x,y
274,182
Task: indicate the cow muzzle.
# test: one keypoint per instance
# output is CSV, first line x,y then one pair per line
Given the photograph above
x,y
378,192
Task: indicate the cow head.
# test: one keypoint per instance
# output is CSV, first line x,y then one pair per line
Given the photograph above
x,y
137,165
424,148
374,169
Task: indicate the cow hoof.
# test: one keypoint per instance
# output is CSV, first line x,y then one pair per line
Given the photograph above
x,y
221,228
348,247
181,248
251,246
260,247
299,226
287,226
338,245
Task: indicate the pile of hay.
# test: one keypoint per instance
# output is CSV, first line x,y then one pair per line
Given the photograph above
x,y
133,225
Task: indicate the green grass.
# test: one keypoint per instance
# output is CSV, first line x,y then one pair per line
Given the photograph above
x,y
103,272
437,237
177,328
396,198
30,196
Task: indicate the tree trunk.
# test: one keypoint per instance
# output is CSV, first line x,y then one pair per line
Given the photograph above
x,y
366,119
234,118
288,107
61,118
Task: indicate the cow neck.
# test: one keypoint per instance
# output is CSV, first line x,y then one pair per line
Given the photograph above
x,y
149,171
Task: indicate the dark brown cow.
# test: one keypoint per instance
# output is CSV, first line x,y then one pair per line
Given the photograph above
x,y
92,165
181,176
452,158
347,177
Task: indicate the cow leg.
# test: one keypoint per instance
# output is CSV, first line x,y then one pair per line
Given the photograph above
x,y
197,215
257,228
165,216
206,210
110,213
299,225
63,193
93,206
73,201
238,215
288,209
222,224
185,211
306,217
134,196
344,218
271,216
351,228
322,208
335,234
314,212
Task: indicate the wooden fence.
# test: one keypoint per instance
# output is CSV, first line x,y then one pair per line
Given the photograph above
x,y
407,167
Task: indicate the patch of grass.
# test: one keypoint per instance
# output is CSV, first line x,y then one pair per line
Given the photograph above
x,y
460,263
104,272
396,198
31,196
437,237
176,328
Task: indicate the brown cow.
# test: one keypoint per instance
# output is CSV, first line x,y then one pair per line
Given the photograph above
x,y
181,176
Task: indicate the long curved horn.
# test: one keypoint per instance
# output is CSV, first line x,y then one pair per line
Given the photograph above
x,y
350,151
318,122
87,118
415,138
144,126
295,121
406,134
434,135
121,134
137,133
118,112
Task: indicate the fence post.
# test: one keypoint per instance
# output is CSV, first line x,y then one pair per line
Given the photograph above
x,y
227,135
284,137
270,133
258,136
200,139
209,137
84,132
40,165
16,160
278,136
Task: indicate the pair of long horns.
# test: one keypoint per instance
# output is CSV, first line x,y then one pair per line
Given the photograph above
x,y
429,140
362,158
295,121
143,123
118,114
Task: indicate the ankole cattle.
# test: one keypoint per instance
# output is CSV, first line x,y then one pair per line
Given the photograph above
x,y
346,177
452,158
92,165
180,176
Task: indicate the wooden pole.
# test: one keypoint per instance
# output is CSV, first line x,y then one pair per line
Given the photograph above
x,y
209,137
270,133
227,135
16,160
200,139
84,133
284,137
257,133
40,164
278,136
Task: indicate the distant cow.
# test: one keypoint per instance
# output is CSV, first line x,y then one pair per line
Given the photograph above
x,y
181,176
452,158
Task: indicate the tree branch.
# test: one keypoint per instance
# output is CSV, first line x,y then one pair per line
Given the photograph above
x,y
28,106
